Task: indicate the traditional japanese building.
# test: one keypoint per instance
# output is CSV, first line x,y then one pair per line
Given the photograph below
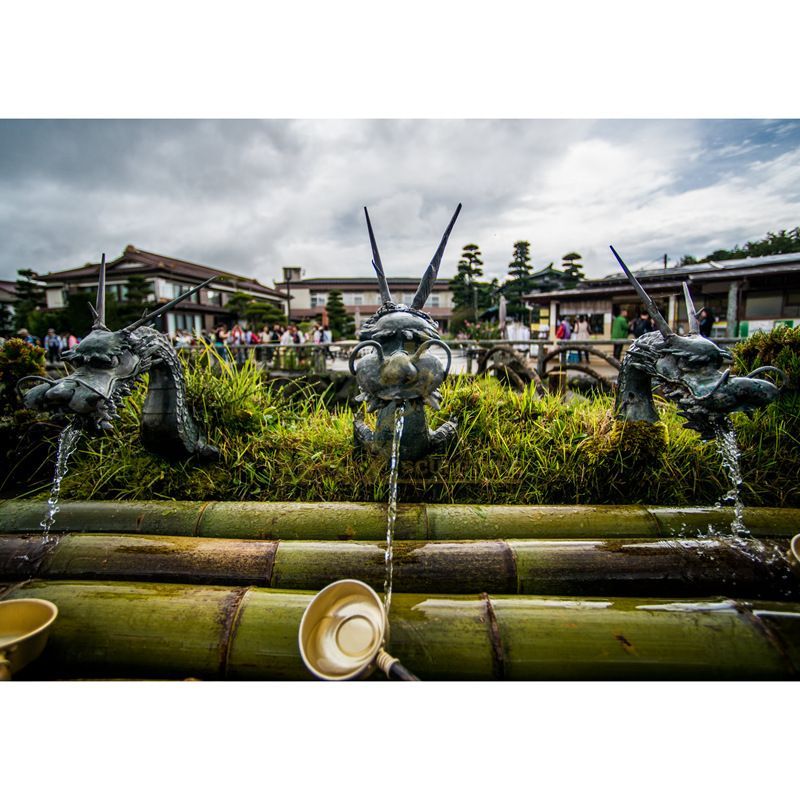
x,y
168,277
360,295
744,294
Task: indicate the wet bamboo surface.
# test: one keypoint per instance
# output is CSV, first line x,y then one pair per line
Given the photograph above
x,y
367,521
137,630
676,567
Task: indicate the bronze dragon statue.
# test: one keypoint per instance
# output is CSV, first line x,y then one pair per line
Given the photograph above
x,y
401,369
107,365
689,368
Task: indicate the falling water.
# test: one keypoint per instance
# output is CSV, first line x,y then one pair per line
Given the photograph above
x,y
394,468
739,537
67,443
728,450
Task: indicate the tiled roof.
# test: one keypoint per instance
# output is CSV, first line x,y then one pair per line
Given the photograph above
x,y
153,262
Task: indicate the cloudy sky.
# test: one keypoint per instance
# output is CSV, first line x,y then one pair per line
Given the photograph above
x,y
250,196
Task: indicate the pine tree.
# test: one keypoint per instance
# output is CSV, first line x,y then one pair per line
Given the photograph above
x,y
122,313
341,323
519,269
237,305
260,313
466,279
572,270
30,297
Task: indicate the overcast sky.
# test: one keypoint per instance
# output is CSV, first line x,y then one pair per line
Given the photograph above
x,y
251,196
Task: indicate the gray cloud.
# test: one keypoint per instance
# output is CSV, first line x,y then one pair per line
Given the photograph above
x,y
250,196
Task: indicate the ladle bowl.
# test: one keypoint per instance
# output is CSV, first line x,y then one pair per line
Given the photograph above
x,y
794,550
342,632
24,629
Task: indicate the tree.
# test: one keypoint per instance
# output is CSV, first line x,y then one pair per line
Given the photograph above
x,y
237,304
572,270
122,313
772,244
30,298
519,269
260,313
463,285
341,323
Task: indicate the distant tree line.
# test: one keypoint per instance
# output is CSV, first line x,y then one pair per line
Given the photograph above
x,y
473,297
772,244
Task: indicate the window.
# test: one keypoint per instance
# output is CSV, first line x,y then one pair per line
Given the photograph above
x,y
433,302
318,299
764,305
408,298
791,307
358,299
214,298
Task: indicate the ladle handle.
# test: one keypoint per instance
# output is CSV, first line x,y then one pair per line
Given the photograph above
x,y
393,668
400,673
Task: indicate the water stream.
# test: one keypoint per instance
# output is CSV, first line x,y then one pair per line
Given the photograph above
x,y
739,537
729,453
67,442
394,468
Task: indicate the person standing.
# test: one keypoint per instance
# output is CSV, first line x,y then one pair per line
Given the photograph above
x,y
706,321
52,346
642,325
619,330
582,332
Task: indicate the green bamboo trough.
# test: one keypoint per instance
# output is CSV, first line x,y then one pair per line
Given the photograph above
x,y
367,521
675,567
134,630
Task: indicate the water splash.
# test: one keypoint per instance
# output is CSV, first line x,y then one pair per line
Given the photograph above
x,y
739,538
67,442
394,468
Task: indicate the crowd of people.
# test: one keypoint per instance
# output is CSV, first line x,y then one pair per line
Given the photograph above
x,y
577,329
52,343
223,338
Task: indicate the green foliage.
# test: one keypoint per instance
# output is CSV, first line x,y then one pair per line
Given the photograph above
x,y
513,448
573,271
17,359
519,284
238,304
468,292
260,313
257,312
772,244
30,297
779,348
341,323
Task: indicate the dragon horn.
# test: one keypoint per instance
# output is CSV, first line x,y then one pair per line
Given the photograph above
x,y
661,323
99,309
172,303
383,285
694,322
426,284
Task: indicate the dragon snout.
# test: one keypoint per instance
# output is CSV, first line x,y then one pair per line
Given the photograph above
x,y
398,370
66,395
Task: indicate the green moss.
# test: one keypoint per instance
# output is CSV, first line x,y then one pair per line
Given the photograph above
x,y
513,449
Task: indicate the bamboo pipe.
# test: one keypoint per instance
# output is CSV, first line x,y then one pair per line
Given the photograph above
x,y
367,521
168,630
672,567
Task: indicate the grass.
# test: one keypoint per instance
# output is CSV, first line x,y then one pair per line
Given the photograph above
x,y
513,448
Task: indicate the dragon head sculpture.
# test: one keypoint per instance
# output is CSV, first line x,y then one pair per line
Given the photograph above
x,y
691,370
402,366
106,365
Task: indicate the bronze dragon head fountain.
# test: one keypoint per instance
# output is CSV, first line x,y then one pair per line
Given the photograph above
x,y
107,365
689,368
402,369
